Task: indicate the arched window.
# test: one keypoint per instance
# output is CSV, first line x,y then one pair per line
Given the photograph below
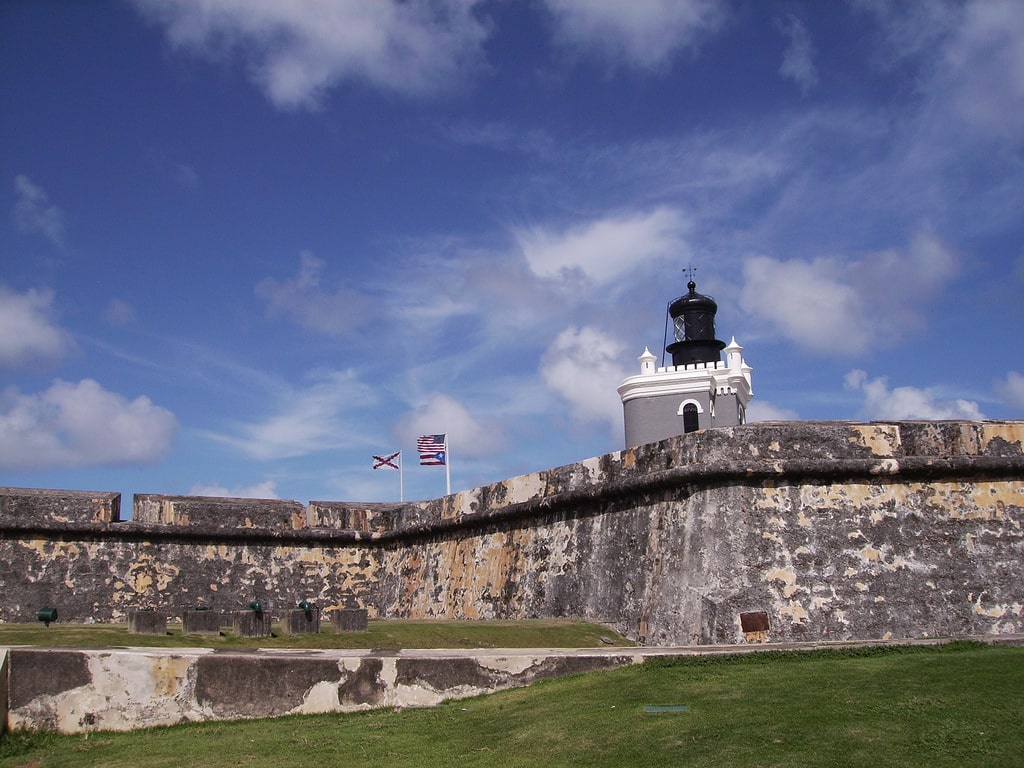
x,y
691,423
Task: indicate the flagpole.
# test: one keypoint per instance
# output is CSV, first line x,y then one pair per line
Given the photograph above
x,y
401,480
447,466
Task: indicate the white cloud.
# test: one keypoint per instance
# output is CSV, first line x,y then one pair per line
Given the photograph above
x,y
583,366
1011,389
807,302
467,436
759,410
307,420
81,425
305,303
641,33
604,250
846,307
880,402
34,214
28,333
298,49
265,490
798,58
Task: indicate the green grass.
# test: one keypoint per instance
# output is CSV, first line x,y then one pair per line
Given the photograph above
x,y
382,635
955,705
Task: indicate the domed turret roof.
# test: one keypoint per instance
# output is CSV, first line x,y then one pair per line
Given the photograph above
x,y
692,301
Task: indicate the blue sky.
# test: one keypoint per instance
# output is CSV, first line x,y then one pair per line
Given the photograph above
x,y
245,245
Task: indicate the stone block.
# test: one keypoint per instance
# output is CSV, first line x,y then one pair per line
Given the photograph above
x,y
364,517
200,622
3,691
251,623
300,622
18,505
219,514
145,622
349,620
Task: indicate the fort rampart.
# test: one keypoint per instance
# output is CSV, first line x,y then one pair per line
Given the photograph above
x,y
779,531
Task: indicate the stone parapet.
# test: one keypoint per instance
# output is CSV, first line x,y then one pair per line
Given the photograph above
x,y
33,505
216,513
363,517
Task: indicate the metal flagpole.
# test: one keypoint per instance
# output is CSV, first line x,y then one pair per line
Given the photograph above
x,y
447,466
401,480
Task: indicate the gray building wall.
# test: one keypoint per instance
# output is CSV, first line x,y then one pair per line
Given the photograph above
x,y
650,419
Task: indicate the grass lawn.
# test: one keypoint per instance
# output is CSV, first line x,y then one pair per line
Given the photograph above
x,y
955,705
381,635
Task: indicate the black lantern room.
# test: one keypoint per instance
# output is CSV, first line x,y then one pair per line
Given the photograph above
x,y
693,321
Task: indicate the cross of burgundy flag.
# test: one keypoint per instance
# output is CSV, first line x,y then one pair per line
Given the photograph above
x,y
387,462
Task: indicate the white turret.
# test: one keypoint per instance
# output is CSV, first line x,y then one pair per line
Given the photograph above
x,y
647,361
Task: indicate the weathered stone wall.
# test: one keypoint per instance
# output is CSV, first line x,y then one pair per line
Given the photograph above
x,y
831,530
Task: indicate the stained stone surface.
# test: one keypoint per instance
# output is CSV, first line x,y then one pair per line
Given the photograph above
x,y
831,530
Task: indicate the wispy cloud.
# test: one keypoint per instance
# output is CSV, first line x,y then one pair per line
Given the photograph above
x,y
971,58
881,402
307,420
304,302
1011,390
81,425
604,249
644,34
263,490
119,313
29,333
758,410
798,58
35,214
298,49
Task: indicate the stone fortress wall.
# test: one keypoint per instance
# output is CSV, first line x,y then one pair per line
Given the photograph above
x,y
774,531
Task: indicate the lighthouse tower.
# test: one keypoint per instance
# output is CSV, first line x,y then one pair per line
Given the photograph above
x,y
698,390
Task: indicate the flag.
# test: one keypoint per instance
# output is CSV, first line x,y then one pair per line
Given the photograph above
x,y
432,450
388,462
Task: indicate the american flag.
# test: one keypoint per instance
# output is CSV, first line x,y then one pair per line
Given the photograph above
x,y
432,450
388,462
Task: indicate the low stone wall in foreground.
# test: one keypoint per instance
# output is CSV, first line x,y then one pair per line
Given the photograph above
x,y
128,688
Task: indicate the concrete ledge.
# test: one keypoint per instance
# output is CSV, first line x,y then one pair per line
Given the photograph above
x,y
124,689
129,688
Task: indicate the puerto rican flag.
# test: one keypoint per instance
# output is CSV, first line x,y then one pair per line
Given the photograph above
x,y
433,450
393,461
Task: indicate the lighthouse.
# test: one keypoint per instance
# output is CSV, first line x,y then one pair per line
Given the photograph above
x,y
698,390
